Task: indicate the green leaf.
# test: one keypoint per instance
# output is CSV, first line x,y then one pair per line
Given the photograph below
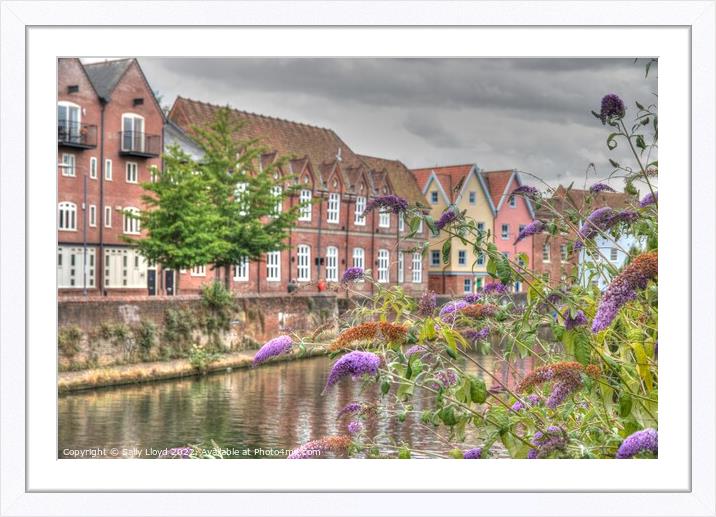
x,y
614,163
456,454
385,387
625,405
447,246
582,350
404,453
478,390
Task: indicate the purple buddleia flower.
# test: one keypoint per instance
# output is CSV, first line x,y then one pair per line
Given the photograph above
x,y
472,297
355,364
495,288
477,335
351,274
526,190
600,187
390,202
578,320
612,108
646,440
449,310
561,389
349,409
355,427
473,454
445,379
601,220
447,217
533,228
531,400
426,305
624,288
277,346
545,443
650,199
415,349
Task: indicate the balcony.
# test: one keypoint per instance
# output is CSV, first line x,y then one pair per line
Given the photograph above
x,y
73,134
137,143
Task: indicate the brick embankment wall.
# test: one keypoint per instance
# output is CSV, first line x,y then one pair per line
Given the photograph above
x,y
122,330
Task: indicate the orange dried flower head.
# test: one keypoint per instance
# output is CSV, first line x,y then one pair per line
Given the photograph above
x,y
315,448
565,377
372,330
478,310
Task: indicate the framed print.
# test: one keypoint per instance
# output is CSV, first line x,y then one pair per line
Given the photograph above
x,y
383,237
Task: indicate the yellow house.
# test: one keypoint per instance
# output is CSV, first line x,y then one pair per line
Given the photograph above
x,y
463,187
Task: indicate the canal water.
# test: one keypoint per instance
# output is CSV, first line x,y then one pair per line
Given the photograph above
x,y
257,411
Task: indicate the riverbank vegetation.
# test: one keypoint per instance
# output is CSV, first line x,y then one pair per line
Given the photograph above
x,y
594,394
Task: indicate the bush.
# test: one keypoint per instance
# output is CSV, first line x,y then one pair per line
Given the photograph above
x,y
200,358
145,336
68,340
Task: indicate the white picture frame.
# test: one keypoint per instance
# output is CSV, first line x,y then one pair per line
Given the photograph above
x,y
680,482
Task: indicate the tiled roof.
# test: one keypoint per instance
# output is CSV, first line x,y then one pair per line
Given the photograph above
x,y
293,139
400,178
497,182
574,199
451,177
106,74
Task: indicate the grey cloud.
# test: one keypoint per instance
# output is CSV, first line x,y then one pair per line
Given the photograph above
x,y
530,114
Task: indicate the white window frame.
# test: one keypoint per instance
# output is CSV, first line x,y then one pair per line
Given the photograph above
x,y
433,254
303,261
108,217
481,258
198,271
71,266
462,257
332,264
273,266
564,253
513,202
241,270
517,286
505,231
359,219
130,225
92,215
472,197
131,172
383,266
613,254
420,228
71,105
108,170
333,210
417,267
401,222
401,267
69,165
467,285
134,117
546,252
304,198
384,218
67,216
359,258
93,168
277,191
481,226
434,198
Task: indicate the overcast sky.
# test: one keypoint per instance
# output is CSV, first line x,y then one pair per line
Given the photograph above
x,y
528,114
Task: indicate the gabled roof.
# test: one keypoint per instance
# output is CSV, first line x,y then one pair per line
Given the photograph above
x,y
399,177
320,145
501,184
450,177
105,75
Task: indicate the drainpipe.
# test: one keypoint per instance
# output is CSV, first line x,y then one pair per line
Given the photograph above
x,y
99,263
290,247
85,208
318,243
372,249
348,220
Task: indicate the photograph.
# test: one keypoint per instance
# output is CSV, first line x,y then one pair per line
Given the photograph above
x,y
357,258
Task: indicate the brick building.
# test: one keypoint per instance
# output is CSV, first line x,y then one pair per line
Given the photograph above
x,y
553,258
331,235
109,139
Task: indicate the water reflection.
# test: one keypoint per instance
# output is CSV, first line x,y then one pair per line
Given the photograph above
x,y
278,406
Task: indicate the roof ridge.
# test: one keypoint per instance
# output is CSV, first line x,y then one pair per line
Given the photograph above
x,y
107,61
258,115
434,167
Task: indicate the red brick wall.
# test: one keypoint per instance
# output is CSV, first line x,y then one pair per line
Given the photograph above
x,y
555,267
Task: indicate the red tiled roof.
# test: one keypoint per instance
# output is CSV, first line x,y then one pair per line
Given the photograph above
x,y
399,177
575,199
451,177
497,182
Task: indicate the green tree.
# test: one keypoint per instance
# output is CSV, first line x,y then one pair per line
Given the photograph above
x,y
219,210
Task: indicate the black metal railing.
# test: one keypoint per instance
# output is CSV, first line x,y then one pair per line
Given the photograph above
x,y
73,134
138,143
